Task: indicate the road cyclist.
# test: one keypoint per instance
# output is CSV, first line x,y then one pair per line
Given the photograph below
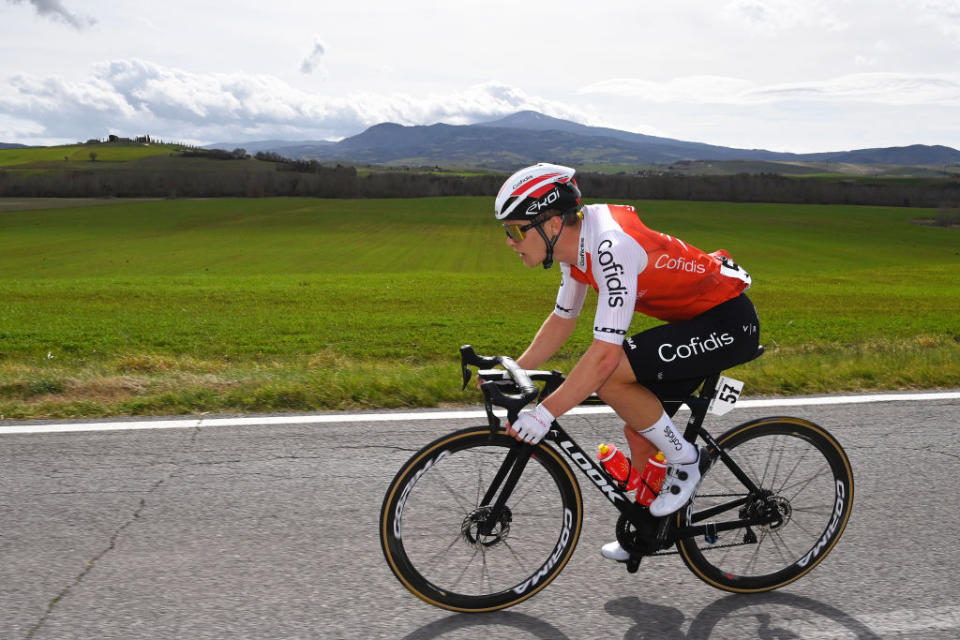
x,y
709,323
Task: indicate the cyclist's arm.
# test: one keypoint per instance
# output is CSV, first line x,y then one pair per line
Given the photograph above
x,y
551,336
618,259
593,369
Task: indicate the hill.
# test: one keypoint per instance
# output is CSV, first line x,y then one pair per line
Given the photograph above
x,y
527,137
23,156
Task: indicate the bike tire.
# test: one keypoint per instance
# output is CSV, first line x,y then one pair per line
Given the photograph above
x,y
426,528
809,479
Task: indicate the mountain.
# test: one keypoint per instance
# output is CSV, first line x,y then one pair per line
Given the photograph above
x,y
916,154
527,137
12,145
489,145
533,121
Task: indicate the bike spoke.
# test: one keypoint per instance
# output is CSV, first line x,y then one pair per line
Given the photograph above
x,y
795,522
780,545
801,485
792,471
528,487
517,557
443,553
768,461
466,566
463,502
480,485
756,553
823,510
747,462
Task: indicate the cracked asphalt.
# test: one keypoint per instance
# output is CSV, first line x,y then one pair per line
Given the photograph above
x,y
271,532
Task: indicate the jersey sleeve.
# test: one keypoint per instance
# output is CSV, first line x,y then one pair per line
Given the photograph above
x,y
616,261
571,295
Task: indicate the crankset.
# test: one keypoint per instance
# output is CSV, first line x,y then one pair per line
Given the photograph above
x,y
638,533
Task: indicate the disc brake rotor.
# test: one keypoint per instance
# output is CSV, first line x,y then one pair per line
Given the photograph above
x,y
472,523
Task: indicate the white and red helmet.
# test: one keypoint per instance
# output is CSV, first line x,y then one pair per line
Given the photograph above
x,y
533,190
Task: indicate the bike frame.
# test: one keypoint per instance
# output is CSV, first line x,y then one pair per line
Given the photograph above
x,y
639,516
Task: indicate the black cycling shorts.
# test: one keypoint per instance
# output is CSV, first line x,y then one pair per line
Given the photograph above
x,y
673,359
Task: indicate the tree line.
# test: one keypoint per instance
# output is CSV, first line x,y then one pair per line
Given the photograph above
x,y
285,177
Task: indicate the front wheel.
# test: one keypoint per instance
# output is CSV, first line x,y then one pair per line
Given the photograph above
x,y
439,539
806,492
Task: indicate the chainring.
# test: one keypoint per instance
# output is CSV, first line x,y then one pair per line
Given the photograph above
x,y
637,531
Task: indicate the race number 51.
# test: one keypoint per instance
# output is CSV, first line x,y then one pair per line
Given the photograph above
x,y
728,392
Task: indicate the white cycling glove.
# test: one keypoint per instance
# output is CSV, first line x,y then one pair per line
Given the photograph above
x,y
531,426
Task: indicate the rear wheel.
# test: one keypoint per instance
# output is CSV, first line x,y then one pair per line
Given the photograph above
x,y
440,542
806,486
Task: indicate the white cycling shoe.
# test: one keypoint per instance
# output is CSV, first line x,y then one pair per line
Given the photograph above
x,y
613,551
679,483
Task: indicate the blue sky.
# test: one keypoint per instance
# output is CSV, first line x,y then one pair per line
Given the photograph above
x,y
785,75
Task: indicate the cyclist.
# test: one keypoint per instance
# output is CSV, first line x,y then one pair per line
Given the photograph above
x,y
710,323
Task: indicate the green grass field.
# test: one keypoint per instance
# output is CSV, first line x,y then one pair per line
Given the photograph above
x,y
303,304
106,152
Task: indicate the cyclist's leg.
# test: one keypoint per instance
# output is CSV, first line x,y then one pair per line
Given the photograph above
x,y
645,417
637,405
671,357
641,449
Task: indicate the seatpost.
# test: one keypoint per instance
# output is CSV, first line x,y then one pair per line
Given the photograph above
x,y
698,407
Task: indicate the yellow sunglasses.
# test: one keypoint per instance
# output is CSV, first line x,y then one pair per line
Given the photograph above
x,y
517,232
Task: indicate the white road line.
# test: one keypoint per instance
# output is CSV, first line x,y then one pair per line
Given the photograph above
x,y
882,625
907,620
464,414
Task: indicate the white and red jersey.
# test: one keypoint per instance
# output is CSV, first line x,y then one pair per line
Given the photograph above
x,y
634,268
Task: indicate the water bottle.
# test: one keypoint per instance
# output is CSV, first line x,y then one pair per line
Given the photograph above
x,y
653,473
618,466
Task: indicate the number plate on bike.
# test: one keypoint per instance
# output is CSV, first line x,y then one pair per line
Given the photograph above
x,y
728,392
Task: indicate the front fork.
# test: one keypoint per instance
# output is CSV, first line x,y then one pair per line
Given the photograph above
x,y
507,476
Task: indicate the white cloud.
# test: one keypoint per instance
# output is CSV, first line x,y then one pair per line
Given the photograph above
x,y
877,88
770,17
312,60
942,14
695,89
55,10
134,97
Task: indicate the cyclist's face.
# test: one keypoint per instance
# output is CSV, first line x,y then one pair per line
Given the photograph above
x,y
530,248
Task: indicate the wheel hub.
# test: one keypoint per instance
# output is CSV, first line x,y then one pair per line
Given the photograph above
x,y
474,527
781,507
776,510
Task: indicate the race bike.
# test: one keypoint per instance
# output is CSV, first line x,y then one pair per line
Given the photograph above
x,y
477,521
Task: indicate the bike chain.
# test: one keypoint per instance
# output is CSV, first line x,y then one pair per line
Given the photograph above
x,y
719,546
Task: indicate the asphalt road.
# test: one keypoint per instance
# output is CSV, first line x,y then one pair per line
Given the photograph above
x,y
271,532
